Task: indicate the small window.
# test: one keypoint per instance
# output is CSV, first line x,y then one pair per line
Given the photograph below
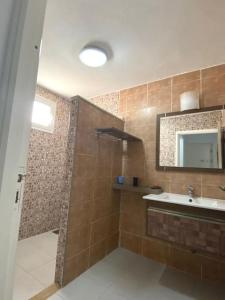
x,y
43,116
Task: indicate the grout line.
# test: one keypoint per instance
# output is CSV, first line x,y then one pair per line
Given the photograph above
x,y
119,113
201,185
148,100
125,113
41,283
34,278
89,247
142,246
171,95
84,154
107,216
201,90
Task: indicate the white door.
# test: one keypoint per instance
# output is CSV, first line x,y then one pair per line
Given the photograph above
x,y
20,37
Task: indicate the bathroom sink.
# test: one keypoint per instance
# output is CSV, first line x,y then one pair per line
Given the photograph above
x,y
200,202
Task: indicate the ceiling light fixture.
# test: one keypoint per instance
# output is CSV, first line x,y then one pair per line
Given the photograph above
x,y
93,56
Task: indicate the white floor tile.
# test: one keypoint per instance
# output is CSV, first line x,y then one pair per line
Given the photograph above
x,y
46,243
25,286
45,274
36,258
55,297
126,276
82,289
105,274
37,251
111,294
120,276
30,258
122,259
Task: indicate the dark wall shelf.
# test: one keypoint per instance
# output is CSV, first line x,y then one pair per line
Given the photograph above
x,y
118,134
130,188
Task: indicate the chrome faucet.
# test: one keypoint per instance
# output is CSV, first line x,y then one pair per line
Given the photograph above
x,y
190,191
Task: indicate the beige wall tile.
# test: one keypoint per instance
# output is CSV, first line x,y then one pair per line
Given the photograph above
x,y
156,250
85,166
136,98
159,96
75,266
87,142
133,223
186,261
213,269
78,239
213,90
212,191
213,179
79,213
186,77
100,229
93,222
215,71
82,190
112,242
97,252
131,242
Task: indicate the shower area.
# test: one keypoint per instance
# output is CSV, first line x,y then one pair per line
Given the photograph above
x,y
43,192
70,213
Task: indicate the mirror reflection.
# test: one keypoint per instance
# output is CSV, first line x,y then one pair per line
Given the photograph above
x,y
191,140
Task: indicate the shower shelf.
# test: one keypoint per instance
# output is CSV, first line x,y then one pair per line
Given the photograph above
x,y
118,134
130,188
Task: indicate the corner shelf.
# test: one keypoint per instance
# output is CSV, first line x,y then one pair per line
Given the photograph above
x,y
130,188
118,134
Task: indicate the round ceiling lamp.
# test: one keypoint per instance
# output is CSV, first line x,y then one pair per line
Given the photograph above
x,y
93,56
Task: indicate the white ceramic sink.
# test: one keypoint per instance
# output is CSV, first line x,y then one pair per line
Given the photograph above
x,y
200,202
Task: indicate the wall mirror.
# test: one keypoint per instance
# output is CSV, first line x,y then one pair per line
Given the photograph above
x,y
191,140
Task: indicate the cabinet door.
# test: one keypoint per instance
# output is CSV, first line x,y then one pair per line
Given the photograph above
x,y
192,233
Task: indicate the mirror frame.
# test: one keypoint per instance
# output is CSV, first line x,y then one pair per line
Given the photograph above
x,y
188,169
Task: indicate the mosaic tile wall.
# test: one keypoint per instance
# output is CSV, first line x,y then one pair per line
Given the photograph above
x,y
65,206
169,127
46,173
109,103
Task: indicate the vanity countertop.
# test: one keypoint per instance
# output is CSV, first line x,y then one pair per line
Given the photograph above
x,y
200,202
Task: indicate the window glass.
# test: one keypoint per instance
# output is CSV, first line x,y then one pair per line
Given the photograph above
x,y
43,116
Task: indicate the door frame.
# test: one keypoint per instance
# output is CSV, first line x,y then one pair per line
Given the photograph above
x,y
17,89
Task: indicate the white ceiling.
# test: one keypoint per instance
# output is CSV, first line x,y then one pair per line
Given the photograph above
x,y
150,40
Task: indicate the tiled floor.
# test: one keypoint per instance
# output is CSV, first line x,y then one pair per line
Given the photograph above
x,y
35,265
126,276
